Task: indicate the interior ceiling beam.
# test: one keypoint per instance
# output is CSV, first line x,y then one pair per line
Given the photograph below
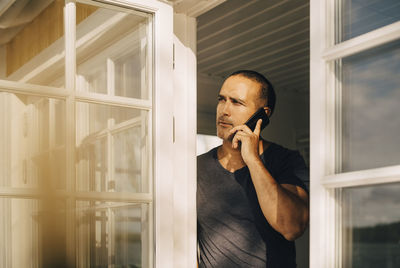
x,y
194,8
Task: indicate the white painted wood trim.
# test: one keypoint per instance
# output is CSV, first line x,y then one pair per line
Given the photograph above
x,y
195,9
364,177
70,71
149,6
363,42
12,192
115,196
320,197
35,90
185,114
162,133
113,100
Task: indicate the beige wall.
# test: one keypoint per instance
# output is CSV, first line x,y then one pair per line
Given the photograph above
x,y
39,34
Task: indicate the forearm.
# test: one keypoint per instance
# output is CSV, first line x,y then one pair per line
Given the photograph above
x,y
285,211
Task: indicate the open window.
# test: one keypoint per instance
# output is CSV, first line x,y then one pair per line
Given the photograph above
x,y
355,167
86,174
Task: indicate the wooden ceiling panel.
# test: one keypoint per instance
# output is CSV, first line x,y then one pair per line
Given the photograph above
x,y
272,52
251,29
271,37
265,39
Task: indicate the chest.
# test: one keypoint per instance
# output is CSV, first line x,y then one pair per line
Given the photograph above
x,y
221,194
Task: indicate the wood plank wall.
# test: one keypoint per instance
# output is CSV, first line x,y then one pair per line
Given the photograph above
x,y
39,34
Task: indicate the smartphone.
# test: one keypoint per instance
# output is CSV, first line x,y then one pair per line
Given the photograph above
x,y
260,114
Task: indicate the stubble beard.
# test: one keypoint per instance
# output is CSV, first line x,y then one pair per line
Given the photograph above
x,y
223,133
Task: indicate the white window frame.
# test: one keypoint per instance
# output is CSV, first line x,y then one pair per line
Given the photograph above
x,y
161,198
325,216
184,154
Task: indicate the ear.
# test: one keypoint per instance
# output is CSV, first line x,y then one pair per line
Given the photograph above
x,y
267,111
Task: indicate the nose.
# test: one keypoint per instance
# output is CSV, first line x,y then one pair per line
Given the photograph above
x,y
226,108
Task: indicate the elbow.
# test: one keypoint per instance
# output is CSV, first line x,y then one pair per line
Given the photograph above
x,y
296,230
292,236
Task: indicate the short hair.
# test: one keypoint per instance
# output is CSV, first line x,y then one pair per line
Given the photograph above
x,y
267,90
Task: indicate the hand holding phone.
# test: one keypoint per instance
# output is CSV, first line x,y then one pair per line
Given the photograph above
x,y
243,136
259,114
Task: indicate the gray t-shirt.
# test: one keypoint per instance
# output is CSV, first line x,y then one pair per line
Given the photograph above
x,y
232,231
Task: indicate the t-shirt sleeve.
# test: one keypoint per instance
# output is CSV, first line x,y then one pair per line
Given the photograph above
x,y
293,170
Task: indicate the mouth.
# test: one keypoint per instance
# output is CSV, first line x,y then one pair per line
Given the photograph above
x,y
224,124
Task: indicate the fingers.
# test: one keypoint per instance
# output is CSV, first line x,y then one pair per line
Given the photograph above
x,y
242,131
235,141
243,128
257,130
246,129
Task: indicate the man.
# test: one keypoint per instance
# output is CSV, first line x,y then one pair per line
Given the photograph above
x,y
251,201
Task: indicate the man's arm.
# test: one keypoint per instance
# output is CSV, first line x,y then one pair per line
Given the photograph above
x,y
284,206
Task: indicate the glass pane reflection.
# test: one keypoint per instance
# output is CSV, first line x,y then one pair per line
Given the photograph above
x,y
32,141
370,108
114,52
358,17
113,148
32,232
130,166
112,234
371,226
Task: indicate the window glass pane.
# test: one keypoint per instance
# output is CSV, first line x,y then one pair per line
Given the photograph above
x,y
114,52
111,234
32,141
31,36
355,17
113,148
32,233
371,226
129,163
370,97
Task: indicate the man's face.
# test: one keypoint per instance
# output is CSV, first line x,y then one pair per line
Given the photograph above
x,y
238,99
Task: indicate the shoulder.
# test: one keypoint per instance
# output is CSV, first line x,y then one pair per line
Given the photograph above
x,y
206,167
206,158
286,165
279,153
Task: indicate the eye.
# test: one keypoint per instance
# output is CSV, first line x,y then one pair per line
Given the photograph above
x,y
236,102
220,98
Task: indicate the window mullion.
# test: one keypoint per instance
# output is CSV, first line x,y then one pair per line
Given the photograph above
x,y
110,156
337,65
320,255
338,229
33,90
110,77
70,74
364,177
363,42
112,100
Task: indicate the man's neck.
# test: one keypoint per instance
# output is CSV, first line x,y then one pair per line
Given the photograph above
x,y
230,158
